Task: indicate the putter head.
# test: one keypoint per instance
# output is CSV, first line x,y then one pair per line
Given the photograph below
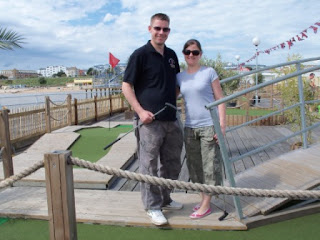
x,y
225,214
170,105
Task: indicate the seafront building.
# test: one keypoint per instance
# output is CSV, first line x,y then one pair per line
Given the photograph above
x,y
18,74
50,70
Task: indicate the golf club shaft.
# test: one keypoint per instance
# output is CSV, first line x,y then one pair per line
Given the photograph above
x,y
110,144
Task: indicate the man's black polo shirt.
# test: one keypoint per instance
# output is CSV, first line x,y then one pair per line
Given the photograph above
x,y
153,77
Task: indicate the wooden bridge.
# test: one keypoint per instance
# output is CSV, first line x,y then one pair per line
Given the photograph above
x,y
105,199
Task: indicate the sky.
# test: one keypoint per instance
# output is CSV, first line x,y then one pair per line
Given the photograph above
x,y
81,33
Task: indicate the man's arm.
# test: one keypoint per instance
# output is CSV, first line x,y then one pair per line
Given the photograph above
x,y
145,116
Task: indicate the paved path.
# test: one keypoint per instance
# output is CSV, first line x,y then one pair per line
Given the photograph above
x,y
119,155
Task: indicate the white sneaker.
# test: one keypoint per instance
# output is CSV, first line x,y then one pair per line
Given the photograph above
x,y
173,206
157,217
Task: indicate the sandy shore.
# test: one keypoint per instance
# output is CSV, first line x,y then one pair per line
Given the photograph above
x,y
41,90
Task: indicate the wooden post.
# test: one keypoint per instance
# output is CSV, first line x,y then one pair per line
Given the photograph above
x,y
47,115
75,111
95,108
122,103
69,106
271,97
60,196
5,142
247,107
110,110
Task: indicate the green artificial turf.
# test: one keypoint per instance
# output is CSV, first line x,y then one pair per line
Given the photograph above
x,y
3,220
252,112
304,228
89,146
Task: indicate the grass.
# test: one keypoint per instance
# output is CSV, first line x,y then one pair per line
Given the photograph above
x,y
33,82
252,112
92,141
305,228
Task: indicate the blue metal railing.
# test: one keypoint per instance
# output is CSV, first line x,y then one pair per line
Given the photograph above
x,y
211,107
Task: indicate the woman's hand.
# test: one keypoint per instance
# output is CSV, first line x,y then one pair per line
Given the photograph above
x,y
223,130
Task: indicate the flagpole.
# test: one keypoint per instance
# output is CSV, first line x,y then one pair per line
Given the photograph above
x,y
110,100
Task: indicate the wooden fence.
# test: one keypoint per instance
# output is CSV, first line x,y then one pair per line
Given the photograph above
x,y
234,120
33,123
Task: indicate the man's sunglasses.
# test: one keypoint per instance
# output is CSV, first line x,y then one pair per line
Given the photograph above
x,y
158,29
194,52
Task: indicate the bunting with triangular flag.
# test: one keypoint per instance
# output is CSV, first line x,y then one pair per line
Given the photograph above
x,y
113,61
299,37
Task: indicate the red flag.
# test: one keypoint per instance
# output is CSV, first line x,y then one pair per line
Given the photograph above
x,y
113,61
303,33
315,29
290,43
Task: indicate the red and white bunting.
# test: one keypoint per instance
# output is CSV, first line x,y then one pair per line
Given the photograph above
x,y
299,37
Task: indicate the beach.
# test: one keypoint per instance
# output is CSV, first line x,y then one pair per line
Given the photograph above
x,y
41,90
23,97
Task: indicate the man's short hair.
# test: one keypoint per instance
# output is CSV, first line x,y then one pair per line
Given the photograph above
x,y
160,16
311,74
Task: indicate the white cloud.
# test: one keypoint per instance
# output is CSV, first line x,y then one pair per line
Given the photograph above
x,y
80,33
108,17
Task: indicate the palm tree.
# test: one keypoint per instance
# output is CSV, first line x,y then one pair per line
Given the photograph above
x,y
10,39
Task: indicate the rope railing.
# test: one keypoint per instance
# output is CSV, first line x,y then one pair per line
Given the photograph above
x,y
58,104
10,180
168,183
60,119
215,190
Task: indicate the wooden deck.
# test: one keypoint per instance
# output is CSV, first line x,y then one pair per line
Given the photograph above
x,y
238,142
114,201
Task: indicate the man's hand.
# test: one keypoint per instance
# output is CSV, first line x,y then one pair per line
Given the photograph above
x,y
146,116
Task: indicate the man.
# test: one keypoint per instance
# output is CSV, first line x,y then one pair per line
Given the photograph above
x,y
150,82
312,83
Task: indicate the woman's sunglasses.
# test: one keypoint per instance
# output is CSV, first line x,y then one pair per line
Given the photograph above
x,y
194,52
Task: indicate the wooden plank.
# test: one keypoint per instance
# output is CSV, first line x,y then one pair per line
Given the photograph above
x,y
263,141
254,140
284,215
234,152
119,208
300,171
248,142
271,134
247,161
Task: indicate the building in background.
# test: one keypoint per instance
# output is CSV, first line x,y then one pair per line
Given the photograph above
x,y
83,82
18,74
72,72
50,70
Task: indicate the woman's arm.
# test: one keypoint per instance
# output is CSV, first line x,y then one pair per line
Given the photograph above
x,y
218,94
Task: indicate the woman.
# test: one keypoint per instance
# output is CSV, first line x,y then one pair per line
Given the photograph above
x,y
200,85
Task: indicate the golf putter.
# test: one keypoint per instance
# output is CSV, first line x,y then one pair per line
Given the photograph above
x,y
110,144
225,213
177,115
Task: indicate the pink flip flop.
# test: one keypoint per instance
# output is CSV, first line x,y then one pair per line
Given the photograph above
x,y
196,207
196,215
